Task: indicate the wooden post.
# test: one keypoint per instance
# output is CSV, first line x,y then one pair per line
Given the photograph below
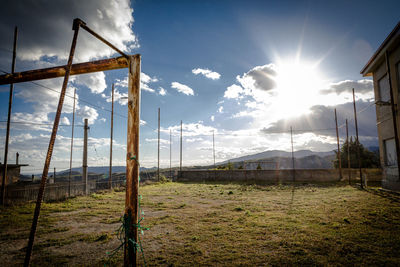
x,y
36,214
54,174
394,113
348,151
170,154
111,137
132,160
180,164
10,98
158,149
357,140
338,146
72,145
84,162
291,139
214,149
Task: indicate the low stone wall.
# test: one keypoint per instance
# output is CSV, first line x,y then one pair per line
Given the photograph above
x,y
278,176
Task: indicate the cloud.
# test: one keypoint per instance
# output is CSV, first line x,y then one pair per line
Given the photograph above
x,y
322,118
89,113
221,109
234,91
96,82
181,88
103,120
212,118
65,121
142,122
47,28
162,91
207,73
260,78
363,86
190,129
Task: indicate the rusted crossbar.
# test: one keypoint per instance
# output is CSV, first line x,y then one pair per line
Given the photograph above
x,y
54,72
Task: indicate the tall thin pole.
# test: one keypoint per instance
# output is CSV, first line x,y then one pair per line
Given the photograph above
x,y
357,140
170,154
338,147
291,139
10,98
28,255
348,151
158,149
72,144
132,163
111,137
214,149
84,161
394,115
54,174
180,164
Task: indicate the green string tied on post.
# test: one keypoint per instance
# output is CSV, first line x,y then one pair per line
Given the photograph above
x,y
125,229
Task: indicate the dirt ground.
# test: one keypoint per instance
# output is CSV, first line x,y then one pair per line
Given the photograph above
x,y
214,225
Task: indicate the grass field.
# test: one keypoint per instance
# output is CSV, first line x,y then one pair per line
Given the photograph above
x,y
214,225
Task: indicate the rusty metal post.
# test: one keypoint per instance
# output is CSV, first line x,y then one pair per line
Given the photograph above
x,y
111,137
348,151
84,161
394,113
291,139
357,140
338,147
75,27
72,144
158,150
132,161
4,180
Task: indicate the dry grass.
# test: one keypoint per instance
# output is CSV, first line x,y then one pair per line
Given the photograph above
x,y
215,224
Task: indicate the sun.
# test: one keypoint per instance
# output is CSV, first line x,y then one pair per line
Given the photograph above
x,y
297,86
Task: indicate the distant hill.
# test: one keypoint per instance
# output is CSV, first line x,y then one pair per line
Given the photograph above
x,y
281,154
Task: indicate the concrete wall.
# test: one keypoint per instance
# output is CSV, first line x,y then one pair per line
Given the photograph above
x,y
278,176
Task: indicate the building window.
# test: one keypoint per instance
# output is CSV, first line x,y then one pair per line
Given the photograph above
x,y
384,90
390,152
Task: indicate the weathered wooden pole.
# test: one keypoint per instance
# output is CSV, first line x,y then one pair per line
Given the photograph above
x,y
293,166
214,149
111,137
72,145
132,162
10,98
348,151
394,112
54,174
75,27
158,148
338,147
84,160
180,164
170,154
357,140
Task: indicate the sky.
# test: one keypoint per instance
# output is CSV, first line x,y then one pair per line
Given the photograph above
x,y
246,71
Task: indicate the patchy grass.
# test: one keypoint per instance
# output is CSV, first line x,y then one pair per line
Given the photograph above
x,y
214,224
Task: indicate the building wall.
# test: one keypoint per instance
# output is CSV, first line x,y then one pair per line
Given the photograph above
x,y
384,117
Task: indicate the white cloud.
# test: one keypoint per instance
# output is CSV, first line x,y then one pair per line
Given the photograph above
x,y
221,109
103,120
89,113
142,122
162,91
65,121
212,118
207,73
234,91
363,86
181,88
96,82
